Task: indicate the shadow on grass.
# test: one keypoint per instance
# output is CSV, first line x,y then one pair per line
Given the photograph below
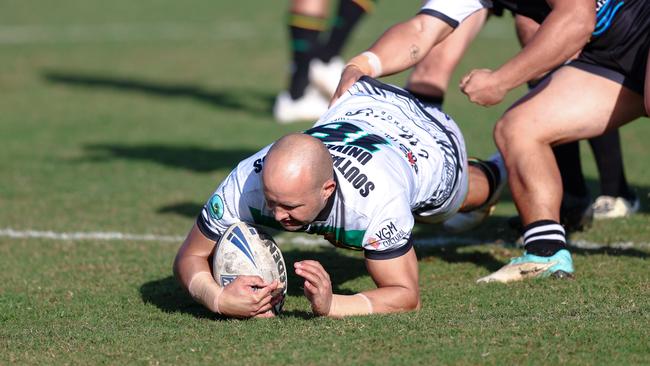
x,y
197,159
452,255
253,101
305,315
610,251
187,209
168,296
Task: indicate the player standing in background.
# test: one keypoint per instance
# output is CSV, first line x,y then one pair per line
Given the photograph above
x,y
376,162
429,82
316,65
616,198
614,37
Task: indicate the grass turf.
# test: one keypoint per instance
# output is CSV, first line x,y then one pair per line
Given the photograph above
x,y
123,116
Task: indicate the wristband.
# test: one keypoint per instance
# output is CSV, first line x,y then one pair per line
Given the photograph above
x,y
368,62
357,304
205,291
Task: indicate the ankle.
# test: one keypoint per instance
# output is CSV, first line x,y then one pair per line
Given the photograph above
x,y
544,238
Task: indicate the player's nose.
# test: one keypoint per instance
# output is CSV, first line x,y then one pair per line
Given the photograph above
x,y
279,214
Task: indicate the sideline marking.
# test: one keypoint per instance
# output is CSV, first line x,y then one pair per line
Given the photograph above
x,y
447,241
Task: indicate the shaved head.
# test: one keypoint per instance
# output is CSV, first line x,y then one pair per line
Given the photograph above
x,y
298,179
298,159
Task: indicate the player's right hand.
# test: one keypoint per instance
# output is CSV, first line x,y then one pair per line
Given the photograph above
x,y
318,286
246,297
349,76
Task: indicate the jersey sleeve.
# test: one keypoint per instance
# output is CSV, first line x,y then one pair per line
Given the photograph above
x,y
453,12
389,233
231,201
220,211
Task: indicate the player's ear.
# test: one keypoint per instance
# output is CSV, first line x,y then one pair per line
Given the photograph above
x,y
328,188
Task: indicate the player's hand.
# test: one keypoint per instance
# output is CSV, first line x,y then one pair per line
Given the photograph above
x,y
246,297
274,301
349,76
483,87
318,287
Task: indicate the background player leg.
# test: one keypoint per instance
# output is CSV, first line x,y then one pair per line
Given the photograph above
x,y
575,211
327,65
616,198
307,19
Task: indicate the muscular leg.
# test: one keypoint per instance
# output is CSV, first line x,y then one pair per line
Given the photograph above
x,y
478,190
557,111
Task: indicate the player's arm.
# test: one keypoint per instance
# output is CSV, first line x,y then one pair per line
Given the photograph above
x,y
246,296
397,288
400,47
526,29
563,33
397,283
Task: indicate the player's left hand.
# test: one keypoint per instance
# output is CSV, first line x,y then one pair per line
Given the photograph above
x,y
318,287
349,76
483,87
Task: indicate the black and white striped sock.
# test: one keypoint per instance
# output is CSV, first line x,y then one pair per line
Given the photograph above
x,y
544,238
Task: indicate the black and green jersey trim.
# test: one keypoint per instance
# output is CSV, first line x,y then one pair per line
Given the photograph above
x,y
350,239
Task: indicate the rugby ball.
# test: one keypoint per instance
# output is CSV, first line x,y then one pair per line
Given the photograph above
x,y
245,250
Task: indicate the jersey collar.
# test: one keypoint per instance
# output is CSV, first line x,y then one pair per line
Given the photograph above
x,y
325,212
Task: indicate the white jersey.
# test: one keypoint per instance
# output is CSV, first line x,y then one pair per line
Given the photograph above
x,y
453,12
392,159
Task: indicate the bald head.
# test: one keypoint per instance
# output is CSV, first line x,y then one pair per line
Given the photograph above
x,y
297,160
297,179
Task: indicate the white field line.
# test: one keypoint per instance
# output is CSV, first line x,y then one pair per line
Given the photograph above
x,y
169,31
281,239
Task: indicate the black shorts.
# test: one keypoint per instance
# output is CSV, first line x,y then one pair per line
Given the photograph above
x,y
619,52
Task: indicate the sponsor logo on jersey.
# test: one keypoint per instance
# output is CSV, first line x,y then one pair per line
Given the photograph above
x,y
347,133
258,165
374,242
410,157
387,236
353,175
215,207
359,154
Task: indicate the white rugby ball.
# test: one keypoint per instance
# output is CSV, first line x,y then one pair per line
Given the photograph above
x,y
244,250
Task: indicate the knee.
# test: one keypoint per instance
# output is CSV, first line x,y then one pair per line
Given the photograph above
x,y
503,134
412,302
519,132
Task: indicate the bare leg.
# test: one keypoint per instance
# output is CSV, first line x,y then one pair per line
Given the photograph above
x,y
478,190
317,8
557,111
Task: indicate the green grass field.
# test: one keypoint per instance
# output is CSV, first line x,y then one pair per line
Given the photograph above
x,y
123,116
